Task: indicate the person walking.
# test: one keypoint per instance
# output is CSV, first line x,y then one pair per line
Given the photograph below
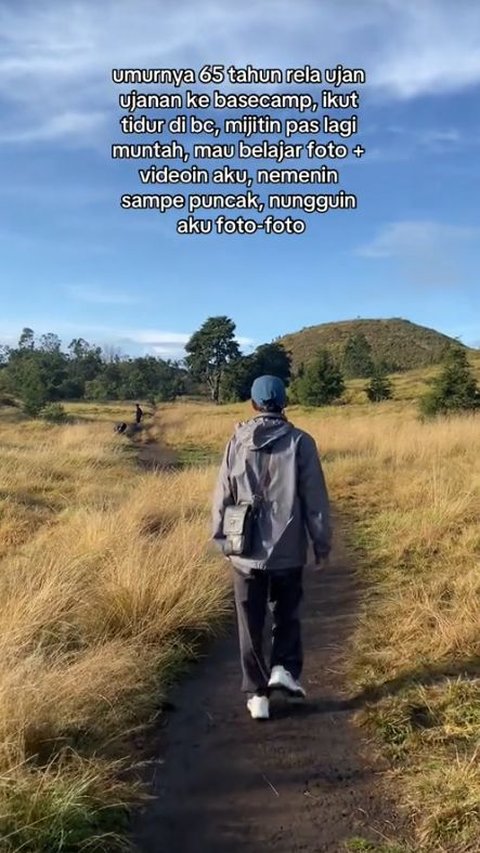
x,y
138,413
270,499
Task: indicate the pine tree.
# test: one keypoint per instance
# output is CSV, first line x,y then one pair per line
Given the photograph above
x,y
33,388
454,389
379,388
357,357
321,382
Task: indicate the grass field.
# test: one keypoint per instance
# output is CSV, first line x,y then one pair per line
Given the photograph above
x,y
409,497
107,582
105,586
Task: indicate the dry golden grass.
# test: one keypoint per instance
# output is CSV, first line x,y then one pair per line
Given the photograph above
x,y
410,497
102,592
106,580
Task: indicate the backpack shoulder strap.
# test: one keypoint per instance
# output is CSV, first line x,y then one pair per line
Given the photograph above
x,y
264,474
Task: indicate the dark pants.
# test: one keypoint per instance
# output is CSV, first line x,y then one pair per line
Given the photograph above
x,y
283,592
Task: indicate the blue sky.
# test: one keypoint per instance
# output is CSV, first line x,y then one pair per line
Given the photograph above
x,y
74,263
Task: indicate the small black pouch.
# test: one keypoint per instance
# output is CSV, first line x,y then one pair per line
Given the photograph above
x,y
238,529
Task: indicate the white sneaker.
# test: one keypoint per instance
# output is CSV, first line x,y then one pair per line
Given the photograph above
x,y
281,679
259,707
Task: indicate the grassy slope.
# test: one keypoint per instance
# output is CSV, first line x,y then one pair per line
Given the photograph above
x,y
398,341
105,581
408,386
410,494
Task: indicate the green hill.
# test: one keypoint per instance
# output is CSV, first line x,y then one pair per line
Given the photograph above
x,y
401,344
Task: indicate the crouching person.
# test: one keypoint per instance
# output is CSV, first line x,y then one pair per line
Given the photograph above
x,y
269,499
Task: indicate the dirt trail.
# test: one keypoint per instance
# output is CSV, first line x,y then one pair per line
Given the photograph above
x,y
152,456
304,781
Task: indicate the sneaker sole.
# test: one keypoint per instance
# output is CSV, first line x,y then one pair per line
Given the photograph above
x,y
284,691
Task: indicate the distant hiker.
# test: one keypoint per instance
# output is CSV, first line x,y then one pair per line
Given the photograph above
x,y
138,413
120,428
270,497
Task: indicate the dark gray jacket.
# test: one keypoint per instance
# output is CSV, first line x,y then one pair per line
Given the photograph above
x,y
269,451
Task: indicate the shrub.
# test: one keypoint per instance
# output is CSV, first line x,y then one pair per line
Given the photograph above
x,y
54,413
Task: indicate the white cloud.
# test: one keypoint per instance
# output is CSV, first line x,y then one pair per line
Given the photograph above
x,y
403,238
156,341
403,143
434,46
100,296
56,57
436,136
153,337
430,253
165,343
72,125
432,138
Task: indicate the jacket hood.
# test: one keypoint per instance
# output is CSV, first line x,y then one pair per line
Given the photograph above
x,y
262,431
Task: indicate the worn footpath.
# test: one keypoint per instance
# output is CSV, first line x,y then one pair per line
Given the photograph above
x,y
306,780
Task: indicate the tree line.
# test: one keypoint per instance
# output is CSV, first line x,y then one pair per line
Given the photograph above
x,y
41,374
214,358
